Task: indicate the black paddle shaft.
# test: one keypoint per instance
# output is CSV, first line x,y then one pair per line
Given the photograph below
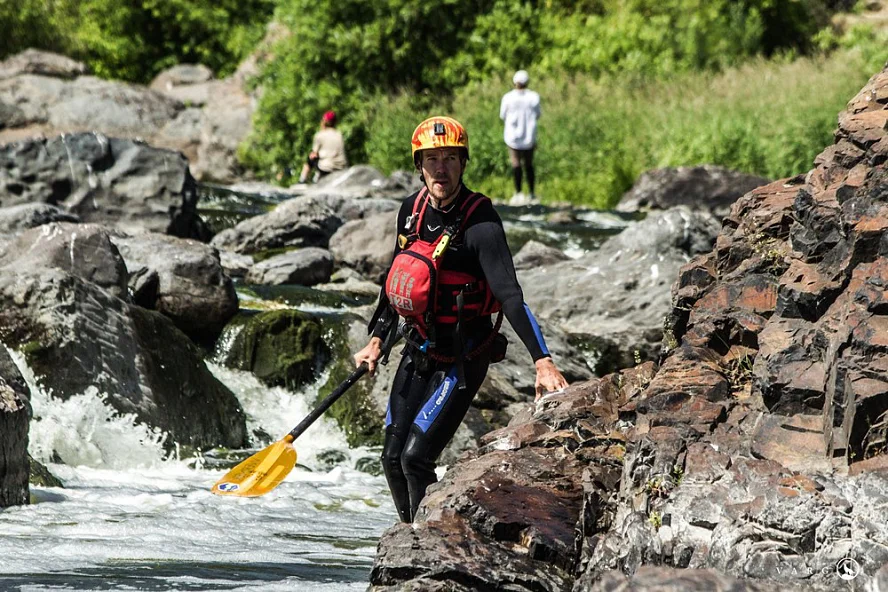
x,y
391,339
328,401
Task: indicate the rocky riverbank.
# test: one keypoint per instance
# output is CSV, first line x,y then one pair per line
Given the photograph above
x,y
752,457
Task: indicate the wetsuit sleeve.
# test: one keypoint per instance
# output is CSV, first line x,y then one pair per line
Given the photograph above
x,y
488,239
385,314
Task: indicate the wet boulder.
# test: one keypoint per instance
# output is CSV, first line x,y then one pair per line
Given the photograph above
x,y
707,188
64,306
535,254
83,250
280,347
121,183
307,267
181,278
15,219
303,221
366,245
619,295
296,223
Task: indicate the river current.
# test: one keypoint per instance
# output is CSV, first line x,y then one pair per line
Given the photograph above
x,y
130,518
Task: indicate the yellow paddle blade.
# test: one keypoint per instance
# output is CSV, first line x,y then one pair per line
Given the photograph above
x,y
260,473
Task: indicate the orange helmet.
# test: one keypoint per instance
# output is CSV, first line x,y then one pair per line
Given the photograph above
x,y
439,132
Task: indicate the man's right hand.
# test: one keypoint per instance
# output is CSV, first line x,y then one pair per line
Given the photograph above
x,y
370,354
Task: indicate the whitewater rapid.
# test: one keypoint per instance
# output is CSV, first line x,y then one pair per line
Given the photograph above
x,y
132,518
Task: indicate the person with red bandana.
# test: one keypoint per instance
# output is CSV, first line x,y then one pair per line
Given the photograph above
x,y
327,150
451,281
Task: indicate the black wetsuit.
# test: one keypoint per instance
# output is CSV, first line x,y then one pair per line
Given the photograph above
x,y
426,406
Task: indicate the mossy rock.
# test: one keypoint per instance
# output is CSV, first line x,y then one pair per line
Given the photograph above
x,y
354,412
40,475
280,347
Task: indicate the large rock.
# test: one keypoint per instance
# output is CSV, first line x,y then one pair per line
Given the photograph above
x,y
279,347
44,63
306,267
183,279
15,219
708,188
43,94
366,245
82,250
613,301
117,182
63,304
304,221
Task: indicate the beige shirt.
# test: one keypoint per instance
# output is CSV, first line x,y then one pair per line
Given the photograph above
x,y
330,147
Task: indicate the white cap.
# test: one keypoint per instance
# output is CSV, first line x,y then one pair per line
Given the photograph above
x,y
521,77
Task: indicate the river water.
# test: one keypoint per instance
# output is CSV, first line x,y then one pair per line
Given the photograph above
x,y
132,518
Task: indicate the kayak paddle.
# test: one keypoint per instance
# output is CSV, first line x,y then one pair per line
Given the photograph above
x,y
265,470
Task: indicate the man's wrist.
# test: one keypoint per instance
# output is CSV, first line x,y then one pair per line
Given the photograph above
x,y
544,361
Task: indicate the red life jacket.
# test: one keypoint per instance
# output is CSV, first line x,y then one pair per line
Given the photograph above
x,y
420,290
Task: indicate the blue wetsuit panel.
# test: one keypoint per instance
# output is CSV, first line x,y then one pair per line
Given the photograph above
x,y
432,408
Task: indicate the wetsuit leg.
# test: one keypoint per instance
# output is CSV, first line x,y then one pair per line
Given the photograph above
x,y
435,424
408,392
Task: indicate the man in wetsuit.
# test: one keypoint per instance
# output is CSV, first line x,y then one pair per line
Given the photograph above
x,y
449,347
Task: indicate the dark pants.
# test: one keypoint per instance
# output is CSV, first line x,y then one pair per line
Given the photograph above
x,y
425,410
313,164
517,158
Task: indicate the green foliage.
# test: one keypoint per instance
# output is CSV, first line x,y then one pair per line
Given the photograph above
x,y
366,58
135,40
35,23
652,37
597,135
665,36
351,55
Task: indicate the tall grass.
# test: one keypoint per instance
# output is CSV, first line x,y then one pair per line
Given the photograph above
x,y
769,118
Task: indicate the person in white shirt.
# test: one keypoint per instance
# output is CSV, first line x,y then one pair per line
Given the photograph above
x,y
520,109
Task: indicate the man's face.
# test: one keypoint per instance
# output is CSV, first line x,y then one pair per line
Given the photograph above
x,y
442,169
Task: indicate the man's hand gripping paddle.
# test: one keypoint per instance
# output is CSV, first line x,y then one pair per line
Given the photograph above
x,y
265,470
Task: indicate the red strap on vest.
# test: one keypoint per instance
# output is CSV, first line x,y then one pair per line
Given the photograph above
x,y
468,206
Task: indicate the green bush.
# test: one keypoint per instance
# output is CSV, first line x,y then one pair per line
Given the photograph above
x,y
36,23
134,41
353,55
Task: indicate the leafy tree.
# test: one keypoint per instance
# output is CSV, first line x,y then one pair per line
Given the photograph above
x,y
43,24
135,40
